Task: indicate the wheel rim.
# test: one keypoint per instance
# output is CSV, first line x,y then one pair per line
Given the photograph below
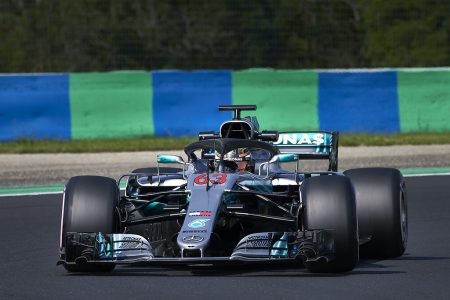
x,y
403,219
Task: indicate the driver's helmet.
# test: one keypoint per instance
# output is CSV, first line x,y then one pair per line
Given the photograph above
x,y
239,156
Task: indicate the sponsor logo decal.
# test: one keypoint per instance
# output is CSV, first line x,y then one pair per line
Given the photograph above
x,y
286,139
258,241
129,242
198,223
194,231
259,244
258,237
193,239
235,158
200,213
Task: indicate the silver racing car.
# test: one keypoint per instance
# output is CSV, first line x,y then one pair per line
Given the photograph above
x,y
239,197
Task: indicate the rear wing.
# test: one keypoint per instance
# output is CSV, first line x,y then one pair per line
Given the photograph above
x,y
311,145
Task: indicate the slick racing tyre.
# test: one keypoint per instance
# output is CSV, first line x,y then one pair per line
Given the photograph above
x,y
329,203
382,211
89,205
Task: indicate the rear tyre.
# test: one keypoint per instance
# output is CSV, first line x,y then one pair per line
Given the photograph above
x,y
329,203
382,211
89,205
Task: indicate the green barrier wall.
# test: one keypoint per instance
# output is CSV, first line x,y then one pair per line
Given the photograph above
x,y
107,105
286,100
424,100
181,103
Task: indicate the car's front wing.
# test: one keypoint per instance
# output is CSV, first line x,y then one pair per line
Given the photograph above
x,y
81,248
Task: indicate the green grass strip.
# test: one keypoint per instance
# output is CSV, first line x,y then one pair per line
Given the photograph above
x,y
97,145
158,143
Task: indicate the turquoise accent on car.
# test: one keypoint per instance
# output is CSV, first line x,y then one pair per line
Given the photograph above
x,y
166,159
154,208
188,199
170,159
288,157
102,251
108,250
305,142
280,248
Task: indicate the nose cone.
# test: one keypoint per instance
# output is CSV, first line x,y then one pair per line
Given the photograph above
x,y
203,210
196,231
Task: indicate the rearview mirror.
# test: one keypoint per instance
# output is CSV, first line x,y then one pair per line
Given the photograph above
x,y
170,159
284,157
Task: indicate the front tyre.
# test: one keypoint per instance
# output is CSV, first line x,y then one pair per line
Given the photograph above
x,y
329,203
89,205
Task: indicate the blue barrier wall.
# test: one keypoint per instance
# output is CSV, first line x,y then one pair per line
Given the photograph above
x,y
185,103
182,103
359,102
34,107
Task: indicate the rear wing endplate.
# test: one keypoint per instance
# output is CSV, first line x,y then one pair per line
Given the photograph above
x,y
311,145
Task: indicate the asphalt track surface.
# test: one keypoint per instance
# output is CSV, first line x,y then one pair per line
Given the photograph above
x,y
29,251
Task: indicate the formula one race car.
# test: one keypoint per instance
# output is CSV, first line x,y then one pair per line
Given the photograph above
x,y
232,202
